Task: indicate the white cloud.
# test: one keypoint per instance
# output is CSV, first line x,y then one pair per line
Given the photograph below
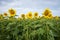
x,y
23,6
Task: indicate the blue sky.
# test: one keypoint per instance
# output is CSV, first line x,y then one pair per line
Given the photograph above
x,y
24,6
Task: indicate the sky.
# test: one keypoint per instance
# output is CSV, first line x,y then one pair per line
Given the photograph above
x,y
24,6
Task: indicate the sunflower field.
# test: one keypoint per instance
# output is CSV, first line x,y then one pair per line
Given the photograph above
x,y
30,26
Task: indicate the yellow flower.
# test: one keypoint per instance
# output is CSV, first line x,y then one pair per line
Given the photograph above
x,y
29,15
49,14
43,16
36,14
1,16
46,12
5,14
23,16
12,12
56,17
47,17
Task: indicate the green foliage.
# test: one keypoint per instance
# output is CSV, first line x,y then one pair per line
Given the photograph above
x,y
29,29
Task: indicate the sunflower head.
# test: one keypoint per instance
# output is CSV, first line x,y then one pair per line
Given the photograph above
x,y
47,17
50,15
23,16
46,12
36,14
12,12
1,16
29,15
5,14
56,17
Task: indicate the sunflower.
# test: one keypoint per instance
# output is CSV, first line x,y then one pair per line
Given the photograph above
x,y
43,16
46,12
23,16
47,17
36,14
12,12
56,17
1,16
49,14
5,14
29,15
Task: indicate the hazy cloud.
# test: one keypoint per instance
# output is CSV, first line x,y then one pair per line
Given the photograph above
x,y
23,6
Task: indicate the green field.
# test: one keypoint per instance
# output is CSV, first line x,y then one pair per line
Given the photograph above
x,y
29,29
